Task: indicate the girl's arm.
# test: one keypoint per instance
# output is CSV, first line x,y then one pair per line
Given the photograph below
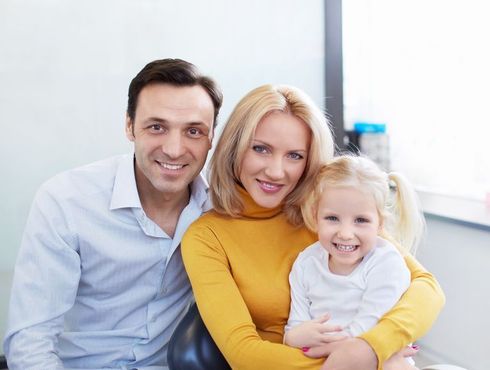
x,y
225,313
302,330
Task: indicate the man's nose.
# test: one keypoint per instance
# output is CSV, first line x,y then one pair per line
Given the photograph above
x,y
173,145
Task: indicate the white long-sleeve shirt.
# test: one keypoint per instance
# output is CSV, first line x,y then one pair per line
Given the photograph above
x,y
97,283
356,301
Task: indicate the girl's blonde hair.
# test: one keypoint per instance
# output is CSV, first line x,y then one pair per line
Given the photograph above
x,y
237,136
396,201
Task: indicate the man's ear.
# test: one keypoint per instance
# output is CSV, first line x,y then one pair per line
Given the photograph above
x,y
129,128
210,137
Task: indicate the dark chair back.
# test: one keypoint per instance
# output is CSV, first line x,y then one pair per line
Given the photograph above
x,y
3,363
192,348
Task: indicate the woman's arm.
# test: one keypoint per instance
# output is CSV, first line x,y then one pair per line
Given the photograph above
x,y
411,317
225,313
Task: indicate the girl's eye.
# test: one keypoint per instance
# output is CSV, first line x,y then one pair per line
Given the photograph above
x,y
259,149
331,218
295,156
362,220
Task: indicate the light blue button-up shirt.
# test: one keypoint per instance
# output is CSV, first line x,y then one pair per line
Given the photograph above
x,y
97,283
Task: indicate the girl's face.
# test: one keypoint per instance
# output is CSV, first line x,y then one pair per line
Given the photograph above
x,y
348,224
276,158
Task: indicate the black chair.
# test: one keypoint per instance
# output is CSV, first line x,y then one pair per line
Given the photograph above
x,y
192,348
3,363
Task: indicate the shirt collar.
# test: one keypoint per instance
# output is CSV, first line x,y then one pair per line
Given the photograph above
x,y
125,192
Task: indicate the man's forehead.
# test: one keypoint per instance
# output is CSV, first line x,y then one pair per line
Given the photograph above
x,y
191,103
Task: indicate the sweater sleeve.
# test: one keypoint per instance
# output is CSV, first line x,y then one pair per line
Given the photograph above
x,y
411,317
225,313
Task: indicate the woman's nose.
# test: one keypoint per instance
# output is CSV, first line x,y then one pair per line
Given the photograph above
x,y
275,168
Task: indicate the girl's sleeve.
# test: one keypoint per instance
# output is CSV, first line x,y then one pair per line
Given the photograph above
x,y
225,313
299,311
411,317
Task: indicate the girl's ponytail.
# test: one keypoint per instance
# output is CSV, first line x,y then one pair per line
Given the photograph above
x,y
407,223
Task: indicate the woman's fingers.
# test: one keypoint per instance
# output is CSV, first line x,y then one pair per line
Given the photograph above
x,y
409,351
322,319
330,338
328,328
318,351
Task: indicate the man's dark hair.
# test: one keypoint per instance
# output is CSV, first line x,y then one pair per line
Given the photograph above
x,y
176,72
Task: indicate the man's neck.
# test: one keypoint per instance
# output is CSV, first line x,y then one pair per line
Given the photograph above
x,y
164,209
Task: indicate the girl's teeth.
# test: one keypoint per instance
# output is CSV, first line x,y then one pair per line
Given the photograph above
x,y
345,248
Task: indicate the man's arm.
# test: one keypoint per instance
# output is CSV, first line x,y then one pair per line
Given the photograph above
x,y
44,287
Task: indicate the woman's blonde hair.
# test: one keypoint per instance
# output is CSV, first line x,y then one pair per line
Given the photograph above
x,y
396,201
237,136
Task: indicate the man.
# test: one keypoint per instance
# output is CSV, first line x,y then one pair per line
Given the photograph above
x,y
99,281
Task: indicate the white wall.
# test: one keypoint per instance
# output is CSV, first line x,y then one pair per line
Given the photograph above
x,y
458,256
65,67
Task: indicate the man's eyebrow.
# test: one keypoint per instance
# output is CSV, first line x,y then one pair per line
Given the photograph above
x,y
156,119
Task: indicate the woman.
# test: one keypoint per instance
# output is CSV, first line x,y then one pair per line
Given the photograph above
x,y
239,256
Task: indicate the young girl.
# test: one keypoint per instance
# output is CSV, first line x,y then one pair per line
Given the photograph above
x,y
353,275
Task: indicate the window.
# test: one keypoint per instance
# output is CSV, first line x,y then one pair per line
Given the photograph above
x,y
423,68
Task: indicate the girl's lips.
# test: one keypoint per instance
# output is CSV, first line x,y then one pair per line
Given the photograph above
x,y
345,248
269,187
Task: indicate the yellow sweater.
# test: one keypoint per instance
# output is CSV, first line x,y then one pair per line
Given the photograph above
x,y
239,269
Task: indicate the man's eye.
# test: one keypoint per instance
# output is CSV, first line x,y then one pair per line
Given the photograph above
x,y
194,132
259,149
156,127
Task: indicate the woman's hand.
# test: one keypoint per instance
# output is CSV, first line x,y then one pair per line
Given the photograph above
x,y
349,354
398,361
313,333
356,354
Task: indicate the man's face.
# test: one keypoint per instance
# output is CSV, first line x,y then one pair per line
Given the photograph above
x,y
172,132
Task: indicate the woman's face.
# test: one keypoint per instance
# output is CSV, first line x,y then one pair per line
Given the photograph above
x,y
276,158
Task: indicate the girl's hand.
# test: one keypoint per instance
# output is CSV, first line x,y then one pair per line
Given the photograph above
x,y
313,333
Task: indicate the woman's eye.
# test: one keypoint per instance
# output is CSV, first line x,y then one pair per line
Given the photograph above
x,y
295,156
259,149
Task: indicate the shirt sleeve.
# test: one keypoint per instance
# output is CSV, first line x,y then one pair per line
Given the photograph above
x,y
300,303
44,287
387,278
225,313
411,317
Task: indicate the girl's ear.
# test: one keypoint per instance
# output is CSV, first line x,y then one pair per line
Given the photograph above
x,y
381,225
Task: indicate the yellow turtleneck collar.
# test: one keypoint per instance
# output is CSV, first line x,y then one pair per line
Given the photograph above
x,y
252,209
